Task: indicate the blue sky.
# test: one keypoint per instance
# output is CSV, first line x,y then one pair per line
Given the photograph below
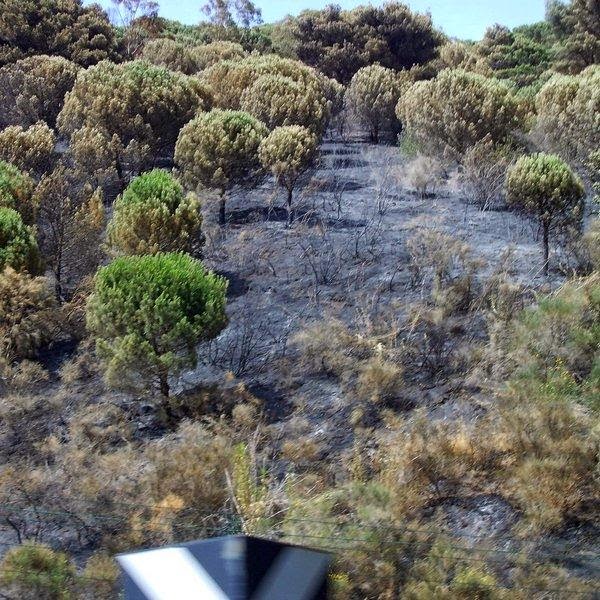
x,y
467,19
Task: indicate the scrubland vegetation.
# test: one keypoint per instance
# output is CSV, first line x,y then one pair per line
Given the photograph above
x,y
333,280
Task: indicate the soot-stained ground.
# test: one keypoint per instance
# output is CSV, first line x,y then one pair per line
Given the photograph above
x,y
345,259
345,255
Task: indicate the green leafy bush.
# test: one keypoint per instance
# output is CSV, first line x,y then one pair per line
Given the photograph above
x,y
277,100
288,152
543,186
457,109
556,345
372,97
219,149
514,56
18,246
17,192
34,570
149,312
154,215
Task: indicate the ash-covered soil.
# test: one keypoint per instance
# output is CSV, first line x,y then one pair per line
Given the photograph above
x,y
345,258
345,253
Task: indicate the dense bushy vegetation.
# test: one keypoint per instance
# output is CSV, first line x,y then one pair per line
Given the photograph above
x,y
154,215
544,186
372,96
340,42
219,150
68,29
332,280
31,149
452,112
229,79
277,101
129,112
17,192
207,55
568,109
18,247
169,54
148,313
33,89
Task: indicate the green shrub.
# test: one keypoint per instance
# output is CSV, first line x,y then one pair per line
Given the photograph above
x,y
18,246
543,186
372,97
148,313
30,149
556,345
277,101
449,114
36,571
218,150
17,192
288,152
154,215
515,57
474,584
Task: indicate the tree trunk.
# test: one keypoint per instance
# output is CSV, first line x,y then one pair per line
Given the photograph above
x,y
290,212
165,404
222,208
164,385
58,288
546,248
120,174
58,291
375,134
